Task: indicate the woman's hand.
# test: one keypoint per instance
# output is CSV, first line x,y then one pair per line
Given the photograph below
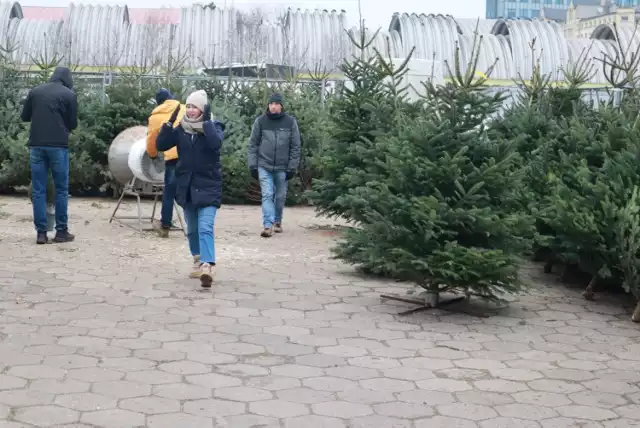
x,y
173,117
206,114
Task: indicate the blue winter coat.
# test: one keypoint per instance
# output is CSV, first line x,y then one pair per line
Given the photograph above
x,y
198,171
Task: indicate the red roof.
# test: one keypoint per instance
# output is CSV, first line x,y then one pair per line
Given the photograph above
x,y
154,16
136,15
43,13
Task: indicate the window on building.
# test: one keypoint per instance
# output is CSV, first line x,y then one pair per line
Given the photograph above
x,y
624,18
534,13
511,13
548,1
560,2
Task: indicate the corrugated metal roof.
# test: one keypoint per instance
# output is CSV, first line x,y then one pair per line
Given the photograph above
x,y
136,15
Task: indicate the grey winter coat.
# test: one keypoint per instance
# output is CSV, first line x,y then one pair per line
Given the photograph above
x,y
275,143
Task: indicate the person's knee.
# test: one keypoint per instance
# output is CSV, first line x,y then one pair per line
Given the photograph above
x,y
206,233
205,229
281,192
60,183
192,228
267,194
205,224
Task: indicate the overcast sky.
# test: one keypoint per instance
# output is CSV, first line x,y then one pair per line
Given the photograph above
x,y
377,13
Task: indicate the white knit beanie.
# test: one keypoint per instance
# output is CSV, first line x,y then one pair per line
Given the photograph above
x,y
198,99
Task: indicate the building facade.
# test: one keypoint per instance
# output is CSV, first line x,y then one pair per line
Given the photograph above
x,y
522,8
581,24
556,10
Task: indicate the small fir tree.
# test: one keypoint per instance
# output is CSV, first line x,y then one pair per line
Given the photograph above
x,y
628,236
14,153
535,122
367,109
438,210
591,168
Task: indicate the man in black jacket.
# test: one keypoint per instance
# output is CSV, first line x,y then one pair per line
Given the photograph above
x,y
53,112
274,156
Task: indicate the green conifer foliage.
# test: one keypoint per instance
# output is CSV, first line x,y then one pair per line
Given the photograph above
x,y
368,108
435,207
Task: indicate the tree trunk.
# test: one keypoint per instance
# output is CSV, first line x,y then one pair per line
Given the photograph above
x,y
588,292
636,314
432,299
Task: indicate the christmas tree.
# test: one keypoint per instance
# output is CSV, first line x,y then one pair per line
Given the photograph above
x,y
438,210
628,239
367,109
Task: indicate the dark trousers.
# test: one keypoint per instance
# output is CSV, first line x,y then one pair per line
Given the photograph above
x,y
169,194
43,160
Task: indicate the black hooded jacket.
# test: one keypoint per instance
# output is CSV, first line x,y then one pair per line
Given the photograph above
x,y
52,109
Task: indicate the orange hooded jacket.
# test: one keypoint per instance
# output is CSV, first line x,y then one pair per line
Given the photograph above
x,y
158,117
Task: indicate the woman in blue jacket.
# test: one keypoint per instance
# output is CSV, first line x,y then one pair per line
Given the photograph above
x,y
198,178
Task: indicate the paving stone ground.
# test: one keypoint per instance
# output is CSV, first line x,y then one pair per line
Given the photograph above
x,y
108,332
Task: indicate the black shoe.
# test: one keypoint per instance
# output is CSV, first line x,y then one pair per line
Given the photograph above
x,y
42,238
164,231
62,237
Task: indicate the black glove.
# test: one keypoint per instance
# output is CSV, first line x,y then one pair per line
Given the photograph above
x,y
290,175
173,117
206,114
254,173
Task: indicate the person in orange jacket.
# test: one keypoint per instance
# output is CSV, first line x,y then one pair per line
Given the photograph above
x,y
167,105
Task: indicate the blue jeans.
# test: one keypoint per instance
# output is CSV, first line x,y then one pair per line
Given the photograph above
x,y
273,186
168,195
42,160
200,222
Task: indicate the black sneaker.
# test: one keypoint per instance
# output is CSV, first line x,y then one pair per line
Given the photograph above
x,y
62,237
164,231
42,238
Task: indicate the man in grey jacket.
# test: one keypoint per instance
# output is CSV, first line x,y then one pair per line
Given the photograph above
x,y
274,156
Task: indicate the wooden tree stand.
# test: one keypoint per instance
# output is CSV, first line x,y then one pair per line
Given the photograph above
x,y
432,301
137,188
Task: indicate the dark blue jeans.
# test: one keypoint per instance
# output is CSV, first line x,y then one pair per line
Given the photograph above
x,y
43,160
169,195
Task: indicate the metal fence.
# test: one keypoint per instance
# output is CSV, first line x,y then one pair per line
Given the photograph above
x,y
594,97
98,83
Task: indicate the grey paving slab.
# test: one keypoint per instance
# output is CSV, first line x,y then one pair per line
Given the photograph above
x,y
108,331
